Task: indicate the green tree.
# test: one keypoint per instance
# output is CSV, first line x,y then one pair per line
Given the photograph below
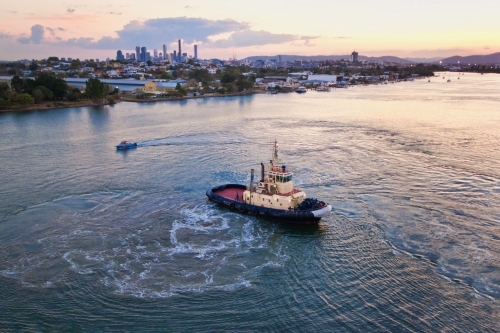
x,y
4,89
16,84
33,66
37,96
166,76
96,90
24,99
181,90
55,59
47,93
75,64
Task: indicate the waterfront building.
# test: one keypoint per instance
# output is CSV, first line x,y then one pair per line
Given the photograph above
x,y
196,52
138,52
165,55
119,55
161,87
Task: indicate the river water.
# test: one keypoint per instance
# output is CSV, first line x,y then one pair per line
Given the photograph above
x,y
96,240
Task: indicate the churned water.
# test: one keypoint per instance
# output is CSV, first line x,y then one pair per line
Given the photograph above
x,y
96,240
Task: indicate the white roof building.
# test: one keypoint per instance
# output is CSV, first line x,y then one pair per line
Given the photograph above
x,y
322,78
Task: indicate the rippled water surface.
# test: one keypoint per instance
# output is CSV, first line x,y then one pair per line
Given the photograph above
x,y
93,240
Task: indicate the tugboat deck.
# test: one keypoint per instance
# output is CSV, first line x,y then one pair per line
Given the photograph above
x,y
231,193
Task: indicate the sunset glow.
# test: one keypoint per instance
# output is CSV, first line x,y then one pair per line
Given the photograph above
x,y
426,29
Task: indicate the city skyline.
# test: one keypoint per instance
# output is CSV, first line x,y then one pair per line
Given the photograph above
x,y
386,27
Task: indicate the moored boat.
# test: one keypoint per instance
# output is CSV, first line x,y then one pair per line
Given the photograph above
x,y
301,90
126,145
323,89
274,196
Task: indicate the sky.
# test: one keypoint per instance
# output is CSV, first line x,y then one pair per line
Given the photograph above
x,y
33,29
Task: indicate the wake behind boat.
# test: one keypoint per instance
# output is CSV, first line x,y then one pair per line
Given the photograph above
x,y
273,196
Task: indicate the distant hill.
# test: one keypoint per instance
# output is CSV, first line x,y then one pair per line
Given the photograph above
x,y
330,57
424,60
474,59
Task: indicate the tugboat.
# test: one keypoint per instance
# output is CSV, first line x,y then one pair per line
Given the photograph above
x,y
126,145
273,196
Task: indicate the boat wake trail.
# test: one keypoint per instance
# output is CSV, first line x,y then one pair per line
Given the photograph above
x,y
136,245
195,139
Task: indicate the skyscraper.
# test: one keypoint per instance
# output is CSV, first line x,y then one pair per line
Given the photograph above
x,y
138,52
155,53
164,51
354,57
180,51
196,52
175,56
143,53
119,55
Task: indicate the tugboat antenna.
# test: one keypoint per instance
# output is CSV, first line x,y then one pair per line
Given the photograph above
x,y
275,152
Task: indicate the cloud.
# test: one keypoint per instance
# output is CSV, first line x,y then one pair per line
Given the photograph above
x,y
37,33
167,30
486,47
51,31
250,37
4,35
308,43
113,13
70,10
161,31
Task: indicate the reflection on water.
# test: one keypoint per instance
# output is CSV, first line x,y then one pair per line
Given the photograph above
x,y
411,245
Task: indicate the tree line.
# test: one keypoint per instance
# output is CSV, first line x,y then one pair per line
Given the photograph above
x,y
27,91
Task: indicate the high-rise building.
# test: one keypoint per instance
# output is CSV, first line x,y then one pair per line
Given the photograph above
x,y
184,57
196,52
127,56
180,51
155,53
175,56
143,53
119,55
132,56
138,52
354,57
165,55
160,55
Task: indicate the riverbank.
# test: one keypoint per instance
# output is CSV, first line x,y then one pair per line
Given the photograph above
x,y
53,105
126,98
133,99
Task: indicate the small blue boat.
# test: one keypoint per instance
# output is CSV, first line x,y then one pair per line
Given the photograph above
x,y
126,145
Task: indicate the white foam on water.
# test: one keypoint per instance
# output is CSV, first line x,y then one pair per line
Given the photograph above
x,y
204,248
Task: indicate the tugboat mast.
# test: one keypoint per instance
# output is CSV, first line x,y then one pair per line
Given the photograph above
x,y
275,153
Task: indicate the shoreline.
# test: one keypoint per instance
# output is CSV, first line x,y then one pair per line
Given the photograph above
x,y
152,100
